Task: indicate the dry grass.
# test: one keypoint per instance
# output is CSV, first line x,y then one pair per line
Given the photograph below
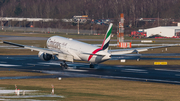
x,y
88,89
86,36
36,43
16,73
17,52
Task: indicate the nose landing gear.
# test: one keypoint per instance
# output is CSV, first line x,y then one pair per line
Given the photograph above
x,y
91,66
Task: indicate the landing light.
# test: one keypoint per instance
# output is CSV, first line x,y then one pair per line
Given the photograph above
x,y
70,39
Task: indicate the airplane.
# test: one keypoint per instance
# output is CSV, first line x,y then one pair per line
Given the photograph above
x,y
67,49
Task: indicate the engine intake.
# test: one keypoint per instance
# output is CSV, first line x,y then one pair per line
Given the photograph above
x,y
44,56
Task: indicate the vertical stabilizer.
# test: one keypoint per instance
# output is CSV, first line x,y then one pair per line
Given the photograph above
x,y
107,38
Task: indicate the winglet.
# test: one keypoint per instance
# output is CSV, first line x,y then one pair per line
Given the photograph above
x,y
107,38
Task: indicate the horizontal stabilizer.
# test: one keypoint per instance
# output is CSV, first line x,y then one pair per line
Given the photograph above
x,y
93,54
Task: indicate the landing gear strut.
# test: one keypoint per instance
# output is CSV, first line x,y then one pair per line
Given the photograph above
x,y
64,65
91,66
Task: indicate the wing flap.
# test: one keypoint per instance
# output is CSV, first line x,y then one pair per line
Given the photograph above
x,y
94,54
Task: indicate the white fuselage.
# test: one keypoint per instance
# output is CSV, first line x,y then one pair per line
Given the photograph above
x,y
78,50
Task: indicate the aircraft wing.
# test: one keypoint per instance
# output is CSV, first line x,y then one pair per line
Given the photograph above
x,y
49,51
142,45
154,44
117,52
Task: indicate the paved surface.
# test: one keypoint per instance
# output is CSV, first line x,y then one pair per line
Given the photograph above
x,y
163,74
10,37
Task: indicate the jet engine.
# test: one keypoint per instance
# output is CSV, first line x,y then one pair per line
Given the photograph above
x,y
44,56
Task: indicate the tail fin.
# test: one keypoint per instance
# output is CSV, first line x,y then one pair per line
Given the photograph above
x,y
107,38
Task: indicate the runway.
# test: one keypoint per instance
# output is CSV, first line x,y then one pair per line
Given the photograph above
x,y
10,37
31,63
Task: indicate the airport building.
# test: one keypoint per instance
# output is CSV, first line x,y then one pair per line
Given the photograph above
x,y
164,31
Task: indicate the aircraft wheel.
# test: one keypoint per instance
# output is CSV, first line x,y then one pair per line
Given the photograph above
x,y
91,66
64,66
61,64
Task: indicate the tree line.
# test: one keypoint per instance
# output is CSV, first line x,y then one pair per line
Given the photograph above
x,y
96,9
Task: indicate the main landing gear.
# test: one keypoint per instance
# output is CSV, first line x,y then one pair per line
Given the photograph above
x,y
64,65
91,66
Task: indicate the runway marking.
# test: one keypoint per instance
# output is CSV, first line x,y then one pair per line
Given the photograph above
x,y
122,66
3,62
48,72
141,79
58,64
33,96
168,70
76,70
8,65
109,77
37,64
135,71
31,64
12,91
57,72
177,74
47,63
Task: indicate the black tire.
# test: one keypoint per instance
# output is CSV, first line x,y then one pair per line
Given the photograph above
x,y
61,64
91,66
65,66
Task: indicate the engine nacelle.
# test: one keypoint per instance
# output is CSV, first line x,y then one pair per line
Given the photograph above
x,y
44,56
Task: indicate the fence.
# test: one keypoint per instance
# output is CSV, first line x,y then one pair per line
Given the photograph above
x,y
48,30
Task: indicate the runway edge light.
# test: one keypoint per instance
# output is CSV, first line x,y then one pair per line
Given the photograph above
x,y
52,90
59,78
15,89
